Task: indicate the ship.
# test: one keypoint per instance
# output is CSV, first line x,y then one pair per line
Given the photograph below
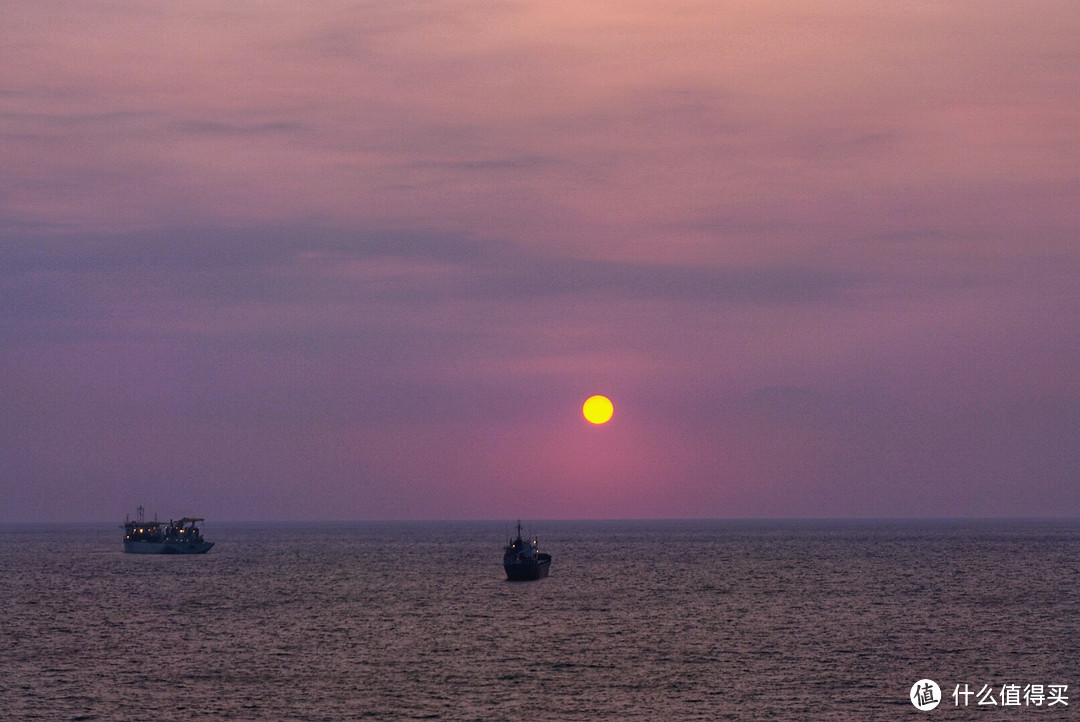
x,y
157,537
523,561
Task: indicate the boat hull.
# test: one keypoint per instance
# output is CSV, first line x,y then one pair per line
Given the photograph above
x,y
141,547
528,571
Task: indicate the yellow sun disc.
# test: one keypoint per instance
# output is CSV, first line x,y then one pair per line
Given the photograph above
x,y
597,409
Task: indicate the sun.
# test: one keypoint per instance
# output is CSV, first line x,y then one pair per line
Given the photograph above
x,y
597,409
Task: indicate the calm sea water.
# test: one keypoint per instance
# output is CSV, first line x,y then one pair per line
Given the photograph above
x,y
638,621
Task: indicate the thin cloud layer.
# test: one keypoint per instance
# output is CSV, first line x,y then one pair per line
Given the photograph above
x,y
365,260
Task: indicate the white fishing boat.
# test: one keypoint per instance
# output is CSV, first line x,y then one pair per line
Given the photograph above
x,y
182,536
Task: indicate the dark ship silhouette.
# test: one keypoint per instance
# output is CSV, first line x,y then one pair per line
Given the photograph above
x,y
523,561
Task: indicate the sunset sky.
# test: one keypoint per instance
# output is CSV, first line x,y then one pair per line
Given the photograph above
x,y
365,260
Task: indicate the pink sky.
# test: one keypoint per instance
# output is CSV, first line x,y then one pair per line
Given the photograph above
x,y
338,260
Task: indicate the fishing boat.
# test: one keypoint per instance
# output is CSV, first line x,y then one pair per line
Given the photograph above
x,y
523,561
157,537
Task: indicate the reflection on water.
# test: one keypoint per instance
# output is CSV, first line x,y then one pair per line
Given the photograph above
x,y
638,620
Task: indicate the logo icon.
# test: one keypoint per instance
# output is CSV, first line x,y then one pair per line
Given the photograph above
x,y
925,694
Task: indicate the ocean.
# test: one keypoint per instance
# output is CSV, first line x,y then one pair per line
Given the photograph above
x,y
638,620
